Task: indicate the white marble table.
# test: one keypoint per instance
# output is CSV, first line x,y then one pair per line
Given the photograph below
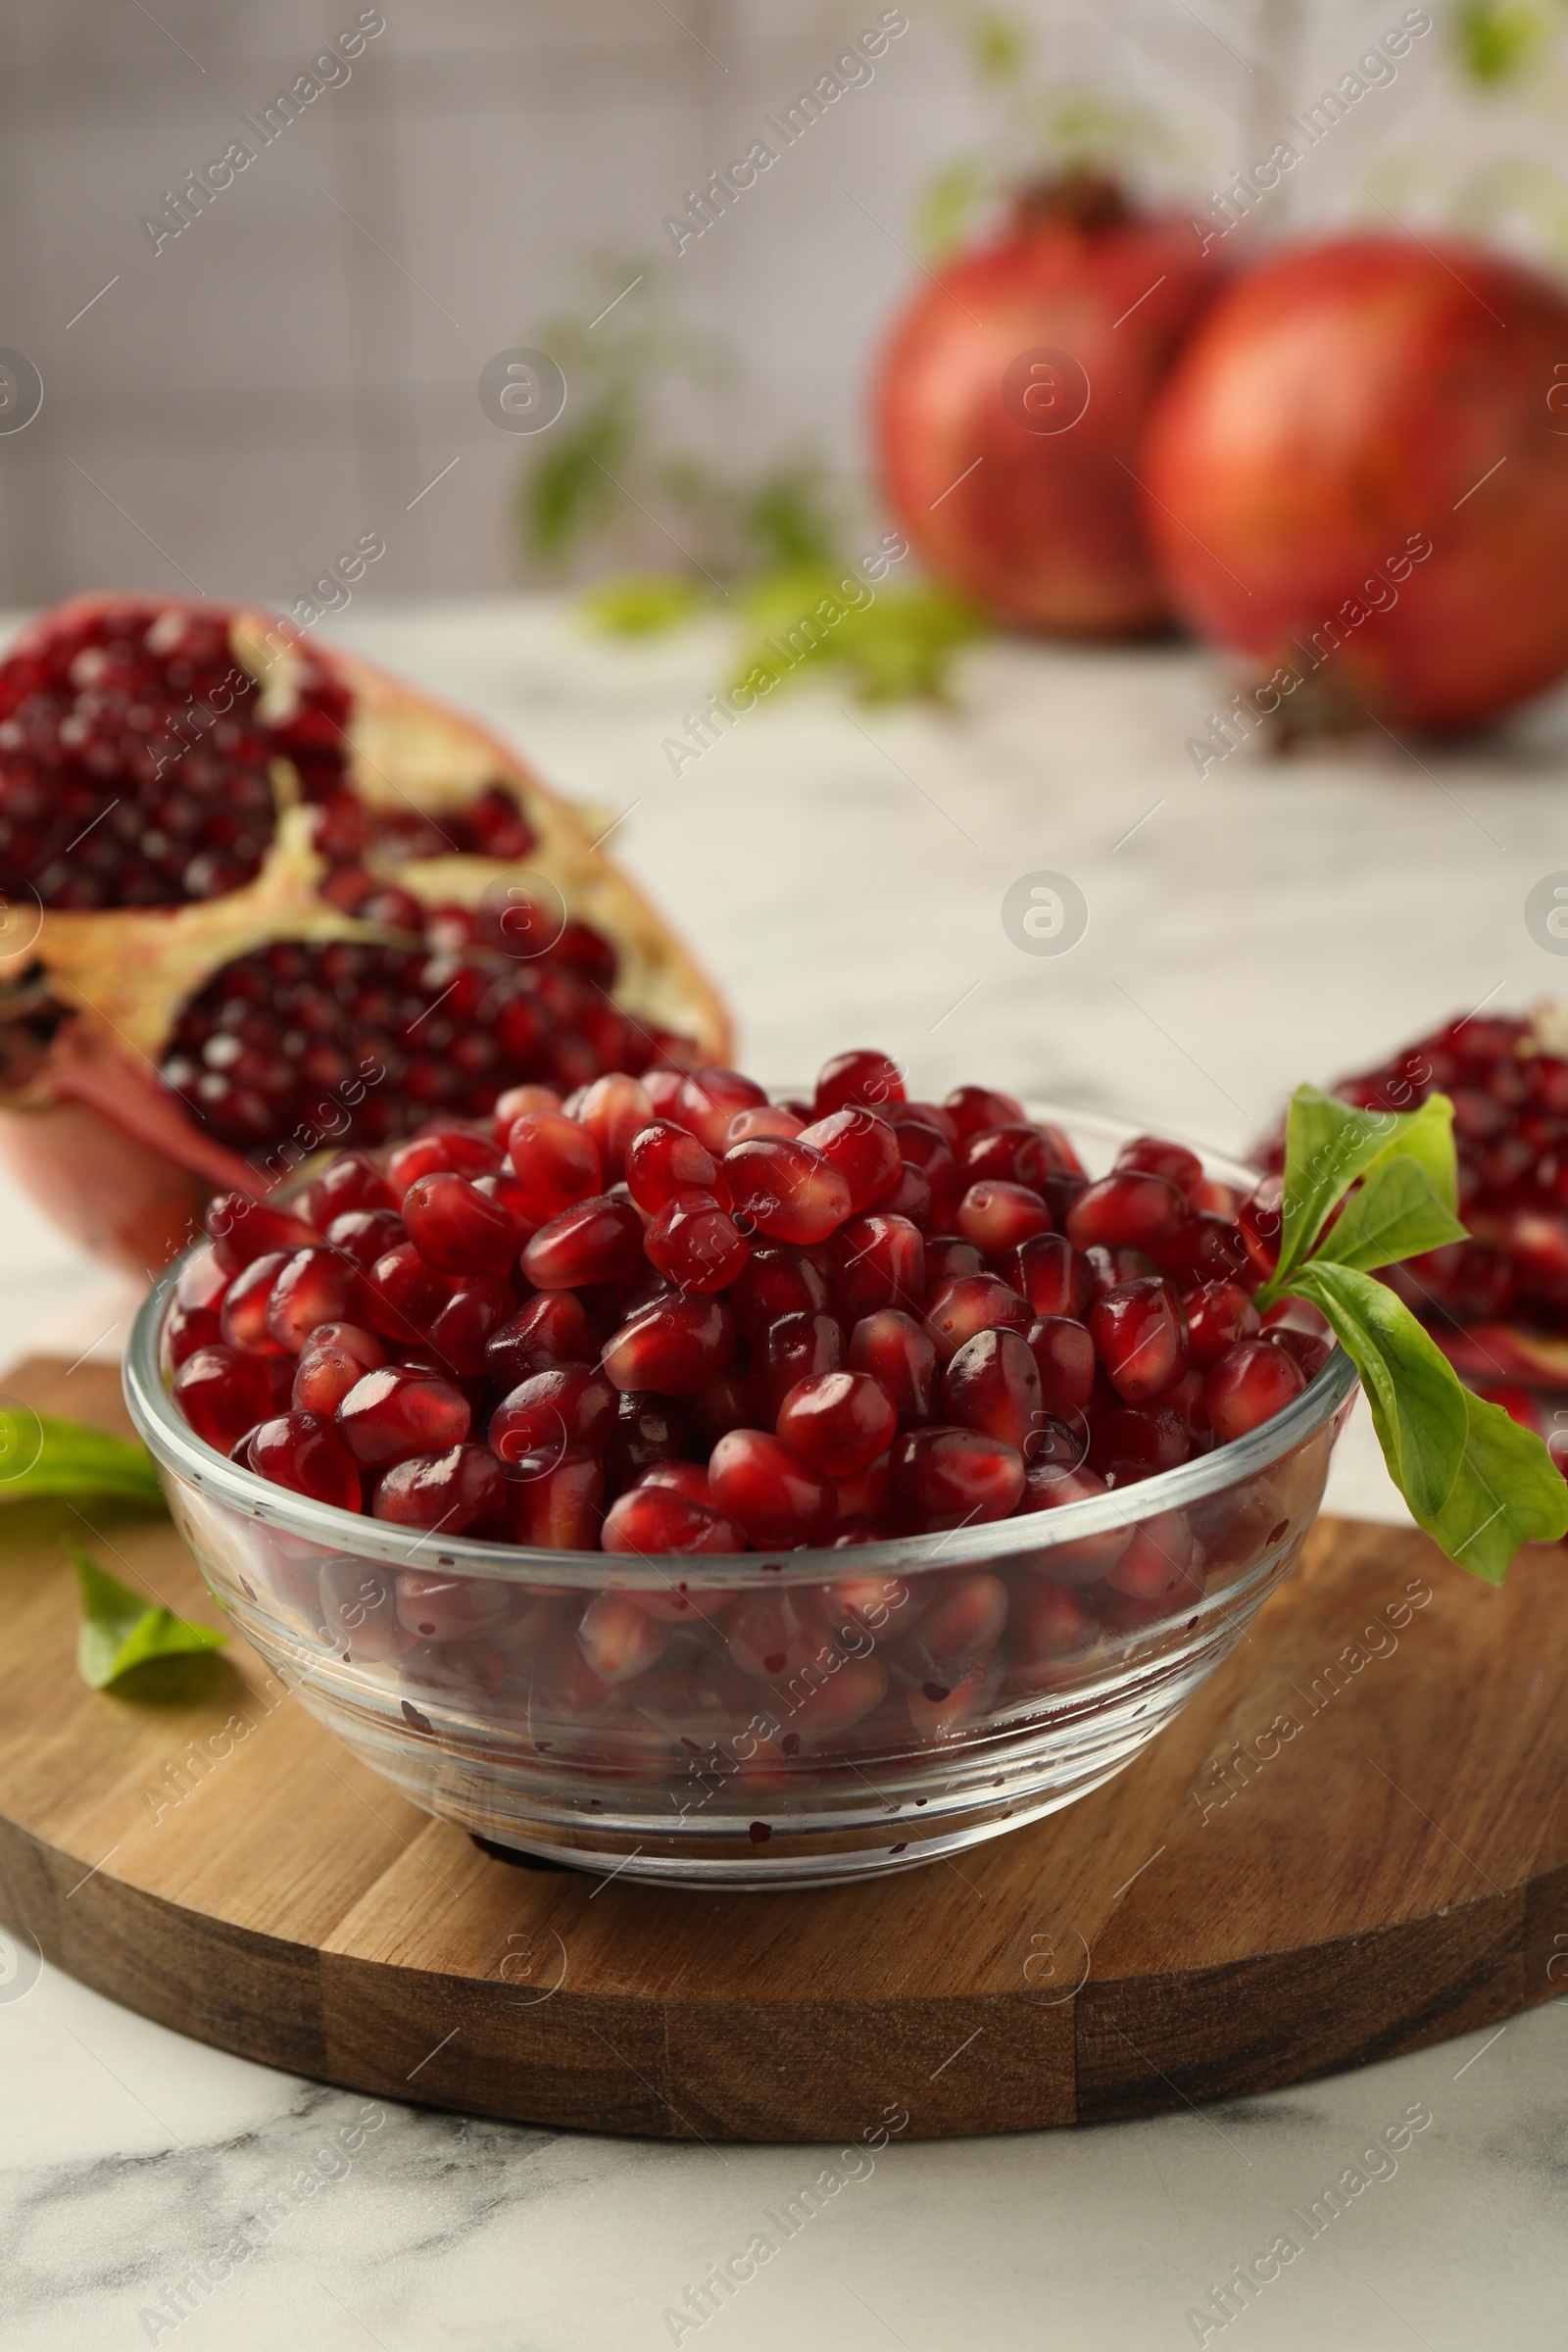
x,y
844,870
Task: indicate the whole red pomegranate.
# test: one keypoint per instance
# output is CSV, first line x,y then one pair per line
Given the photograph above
x,y
1357,478
1012,397
257,899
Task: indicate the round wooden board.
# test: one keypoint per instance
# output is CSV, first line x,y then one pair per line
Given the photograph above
x,y
1353,1842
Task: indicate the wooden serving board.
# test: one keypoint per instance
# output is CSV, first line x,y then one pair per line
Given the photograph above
x,y
1353,1842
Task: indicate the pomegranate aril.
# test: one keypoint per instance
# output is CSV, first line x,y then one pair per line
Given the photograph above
x,y
614,1110
569,1410
618,1640
303,1450
795,1348
223,1394
314,1287
1109,1267
972,1108
1007,1156
202,1281
1152,1155
862,1076
243,1230
1082,1559
649,1433
786,1190
900,1356
461,1330
1050,1627
777,1499
880,1262
999,1218
659,1519
555,1163
457,1228
1260,1222
993,1385
695,1243
762,1119
185,1329
1158,1564
726,1404
927,1152
334,1360
944,1478
863,1495
441,1152
515,1103
863,1150
838,1421
1129,1211
775,1281
1218,1316
963,1625
562,1509
686,1478
774,1635
1249,1384
970,1304
242,1317
394,1413
1309,1351
910,1198
367,1234
1137,1330
552,1328
598,1240
948,1257
708,1099
454,1491
1063,1350
664,1161
1134,1442
351,1181
676,1346
404,1294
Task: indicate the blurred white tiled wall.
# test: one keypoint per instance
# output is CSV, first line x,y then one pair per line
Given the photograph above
x,y
292,370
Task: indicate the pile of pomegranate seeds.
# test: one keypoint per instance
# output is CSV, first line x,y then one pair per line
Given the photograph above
x,y
668,1316
1508,1082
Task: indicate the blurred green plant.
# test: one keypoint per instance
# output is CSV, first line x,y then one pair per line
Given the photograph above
x,y
678,537
1496,40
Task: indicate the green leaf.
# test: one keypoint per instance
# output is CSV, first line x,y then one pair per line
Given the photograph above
x,y
642,604
1477,1483
40,1455
120,1629
1395,1214
1329,1144
1414,1393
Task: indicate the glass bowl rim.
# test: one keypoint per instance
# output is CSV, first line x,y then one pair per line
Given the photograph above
x,y
177,1450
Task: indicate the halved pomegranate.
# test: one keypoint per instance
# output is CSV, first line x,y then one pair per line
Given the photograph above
x,y
259,898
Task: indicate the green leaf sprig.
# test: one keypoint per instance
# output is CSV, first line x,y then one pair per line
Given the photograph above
x,y
41,1455
120,1630
1475,1480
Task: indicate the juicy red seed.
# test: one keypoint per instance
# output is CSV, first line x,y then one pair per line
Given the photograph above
x,y
1156,1565
1218,1316
862,1076
687,1478
302,1451
453,1491
708,1099
223,1394
649,1430
555,1163
776,1279
970,1304
779,1500
947,1478
187,1329
1136,1440
787,1189
242,1317
1055,1278
404,1294
659,1519
618,1640
1150,1155
1110,1268
924,1149
838,1421
1137,1329
695,1243
515,1103
463,1327
615,1111
947,1258
457,1228
1262,1222
351,1181
441,1152
1063,1350
664,1161
676,1346
901,1355
334,1360
1050,1624
880,1262
598,1239
395,1412
863,1150
795,1348
1309,1351
993,1385
726,1404
312,1287
761,1119
998,1216
1129,1211
243,1230
964,1624
1007,1156
553,1328
971,1108
561,1510
367,1234
910,1198
569,1410
1250,1382
1210,1249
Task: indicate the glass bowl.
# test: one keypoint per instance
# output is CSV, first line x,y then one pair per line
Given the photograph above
x,y
814,1716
